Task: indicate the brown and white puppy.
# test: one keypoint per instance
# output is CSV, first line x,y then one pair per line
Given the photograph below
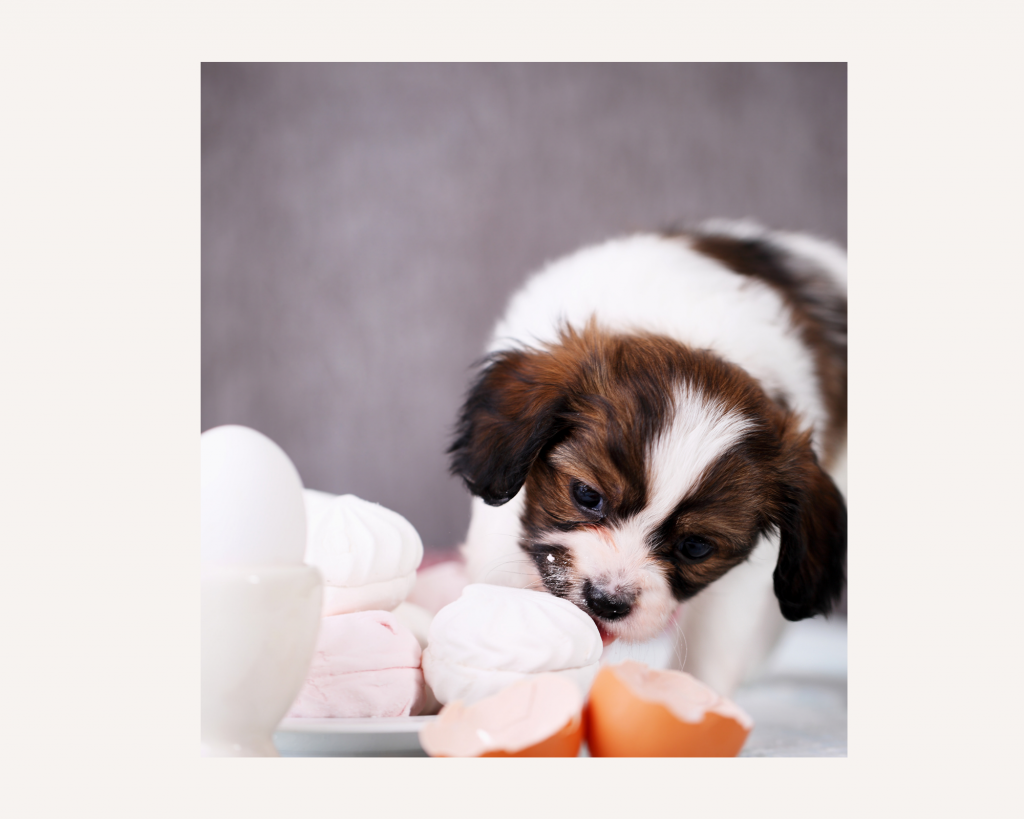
x,y
653,425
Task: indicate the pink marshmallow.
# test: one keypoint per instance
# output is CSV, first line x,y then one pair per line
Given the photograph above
x,y
366,664
438,585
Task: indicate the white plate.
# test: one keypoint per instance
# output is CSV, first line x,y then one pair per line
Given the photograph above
x,y
372,736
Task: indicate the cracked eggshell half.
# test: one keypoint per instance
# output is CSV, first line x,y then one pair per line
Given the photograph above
x,y
541,715
643,712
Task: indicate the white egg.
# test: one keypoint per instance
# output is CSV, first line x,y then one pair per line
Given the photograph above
x,y
253,513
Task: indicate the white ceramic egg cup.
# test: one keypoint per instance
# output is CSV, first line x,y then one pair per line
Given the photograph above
x,y
259,629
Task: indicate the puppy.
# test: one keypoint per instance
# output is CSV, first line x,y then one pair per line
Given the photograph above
x,y
654,427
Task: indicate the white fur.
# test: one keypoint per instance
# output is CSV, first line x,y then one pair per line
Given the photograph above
x,y
648,283
492,550
652,284
701,431
728,629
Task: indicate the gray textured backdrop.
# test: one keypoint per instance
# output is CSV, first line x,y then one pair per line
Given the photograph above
x,y
363,225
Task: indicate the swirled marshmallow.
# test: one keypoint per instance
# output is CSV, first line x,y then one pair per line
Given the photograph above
x,y
494,636
367,554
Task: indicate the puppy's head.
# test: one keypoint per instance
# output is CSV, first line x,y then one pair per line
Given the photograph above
x,y
650,469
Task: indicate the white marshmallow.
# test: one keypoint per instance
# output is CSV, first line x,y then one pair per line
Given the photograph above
x,y
494,636
367,554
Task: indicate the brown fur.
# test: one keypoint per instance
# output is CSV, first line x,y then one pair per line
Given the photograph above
x,y
817,308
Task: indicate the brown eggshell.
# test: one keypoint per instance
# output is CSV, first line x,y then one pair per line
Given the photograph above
x,y
541,715
638,711
567,742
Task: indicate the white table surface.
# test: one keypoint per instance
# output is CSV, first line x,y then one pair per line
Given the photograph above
x,y
798,701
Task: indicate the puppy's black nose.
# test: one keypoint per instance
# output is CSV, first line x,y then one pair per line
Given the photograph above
x,y
607,606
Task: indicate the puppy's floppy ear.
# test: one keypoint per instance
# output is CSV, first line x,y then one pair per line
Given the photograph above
x,y
516,406
811,571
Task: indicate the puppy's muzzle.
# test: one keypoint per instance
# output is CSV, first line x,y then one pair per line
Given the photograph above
x,y
608,605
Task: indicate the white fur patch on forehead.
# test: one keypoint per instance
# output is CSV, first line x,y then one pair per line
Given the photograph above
x,y
702,430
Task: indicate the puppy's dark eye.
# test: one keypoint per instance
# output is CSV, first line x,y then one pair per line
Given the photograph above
x,y
694,548
587,497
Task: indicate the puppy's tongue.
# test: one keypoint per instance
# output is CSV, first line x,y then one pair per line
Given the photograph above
x,y
606,636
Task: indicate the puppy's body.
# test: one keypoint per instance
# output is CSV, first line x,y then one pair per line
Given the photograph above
x,y
648,430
